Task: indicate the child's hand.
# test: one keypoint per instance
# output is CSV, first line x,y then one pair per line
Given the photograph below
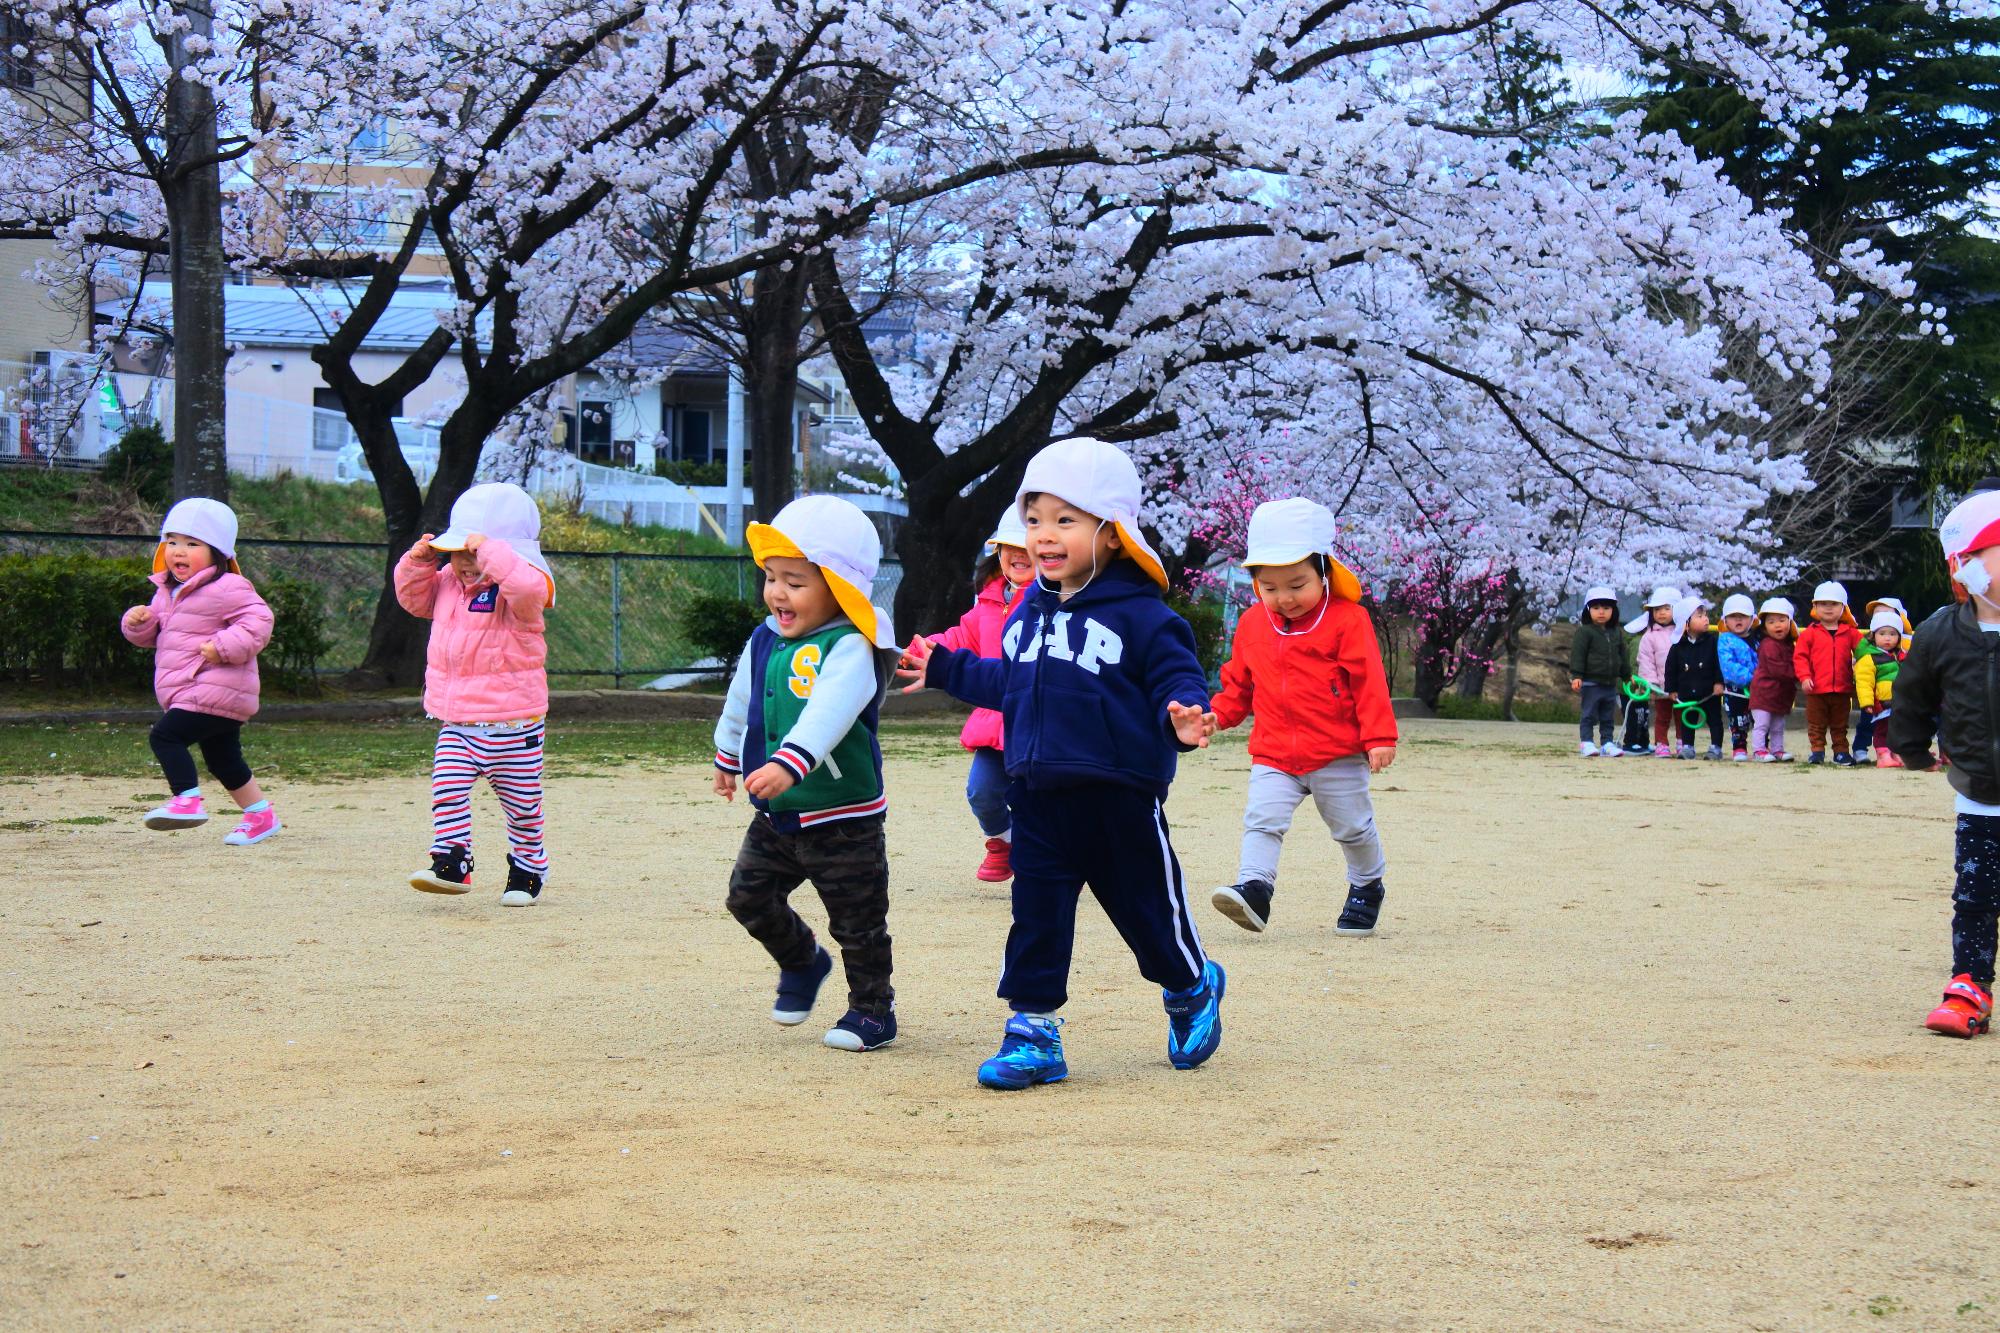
x,y
725,784
910,666
138,616
474,541
1575,683
1673,698
1380,758
423,550
1718,691
1193,725
210,653
1805,683
773,779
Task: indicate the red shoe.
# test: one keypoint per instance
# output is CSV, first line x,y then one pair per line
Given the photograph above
x,y
998,867
1886,758
1967,1010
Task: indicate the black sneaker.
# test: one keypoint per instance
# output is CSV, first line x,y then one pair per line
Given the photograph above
x,y
1247,904
450,872
1363,903
857,1031
524,886
1843,760
798,988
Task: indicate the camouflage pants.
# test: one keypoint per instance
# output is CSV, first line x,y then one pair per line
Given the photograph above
x,y
848,864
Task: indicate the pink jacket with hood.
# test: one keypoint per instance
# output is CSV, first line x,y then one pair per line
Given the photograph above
x,y
978,631
1654,644
214,605
488,658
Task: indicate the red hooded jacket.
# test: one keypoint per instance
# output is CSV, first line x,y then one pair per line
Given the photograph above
x,y
1826,657
1318,690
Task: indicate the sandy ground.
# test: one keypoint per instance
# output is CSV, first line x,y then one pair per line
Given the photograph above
x,y
1638,1045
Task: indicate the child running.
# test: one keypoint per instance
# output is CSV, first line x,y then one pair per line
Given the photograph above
x,y
1658,633
1824,660
999,576
1306,663
1876,666
206,624
1774,686
1694,676
1739,664
1600,662
485,681
1945,688
1100,689
800,726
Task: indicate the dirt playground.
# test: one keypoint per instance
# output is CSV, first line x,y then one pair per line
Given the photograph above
x,y
1638,1046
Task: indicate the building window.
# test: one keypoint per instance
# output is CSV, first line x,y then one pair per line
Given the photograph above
x,y
372,140
593,439
17,57
694,435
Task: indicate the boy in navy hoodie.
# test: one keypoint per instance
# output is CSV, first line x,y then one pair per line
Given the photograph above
x,y
1100,690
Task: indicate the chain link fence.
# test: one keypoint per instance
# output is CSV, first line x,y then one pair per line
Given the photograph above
x,y
617,619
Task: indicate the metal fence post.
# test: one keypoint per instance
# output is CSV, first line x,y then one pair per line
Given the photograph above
x,y
617,626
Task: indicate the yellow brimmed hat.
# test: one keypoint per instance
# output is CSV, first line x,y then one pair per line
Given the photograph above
x,y
1099,479
1284,532
209,521
838,538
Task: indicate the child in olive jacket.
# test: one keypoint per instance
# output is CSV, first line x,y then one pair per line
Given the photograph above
x,y
1600,662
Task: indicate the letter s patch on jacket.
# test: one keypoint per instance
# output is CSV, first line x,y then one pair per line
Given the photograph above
x,y
805,670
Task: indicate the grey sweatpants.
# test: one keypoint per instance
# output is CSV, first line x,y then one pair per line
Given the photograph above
x,y
1340,790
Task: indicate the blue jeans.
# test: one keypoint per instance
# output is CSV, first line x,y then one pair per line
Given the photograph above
x,y
986,791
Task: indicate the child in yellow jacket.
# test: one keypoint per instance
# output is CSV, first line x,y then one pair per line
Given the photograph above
x,y
1875,665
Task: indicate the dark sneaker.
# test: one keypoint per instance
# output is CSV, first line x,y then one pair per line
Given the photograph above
x,y
1247,904
1844,760
524,886
450,872
1364,903
857,1031
798,988
1194,1018
1816,757
1031,1052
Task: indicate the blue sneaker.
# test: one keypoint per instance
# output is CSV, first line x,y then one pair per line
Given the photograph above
x,y
857,1031
1030,1053
1194,1019
798,988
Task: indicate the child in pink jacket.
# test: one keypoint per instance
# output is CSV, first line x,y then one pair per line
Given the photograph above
x,y
206,624
1001,573
486,680
1658,631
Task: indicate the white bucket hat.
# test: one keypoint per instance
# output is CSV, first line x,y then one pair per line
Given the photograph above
x,y
1685,608
1885,619
1285,532
1895,604
1099,479
838,538
1831,591
1664,595
1776,606
1010,531
1599,592
208,521
1738,604
502,510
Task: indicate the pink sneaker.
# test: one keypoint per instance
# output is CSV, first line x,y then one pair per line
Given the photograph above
x,y
180,812
254,828
999,863
1663,752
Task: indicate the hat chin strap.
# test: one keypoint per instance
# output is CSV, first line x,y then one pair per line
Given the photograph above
x,y
1326,595
1057,589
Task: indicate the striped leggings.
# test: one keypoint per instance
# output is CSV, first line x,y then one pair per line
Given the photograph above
x,y
510,759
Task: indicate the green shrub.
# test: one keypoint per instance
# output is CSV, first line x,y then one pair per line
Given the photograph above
x,y
692,474
143,460
298,632
1454,706
62,614
1205,618
718,625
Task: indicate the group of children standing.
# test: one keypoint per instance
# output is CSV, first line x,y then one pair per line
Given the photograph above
x,y
1682,674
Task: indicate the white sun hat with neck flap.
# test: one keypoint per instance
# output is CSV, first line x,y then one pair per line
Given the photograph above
x,y
1010,531
1286,532
502,511
1664,595
209,521
838,538
1099,479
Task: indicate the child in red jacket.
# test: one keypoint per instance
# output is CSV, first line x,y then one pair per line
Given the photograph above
x,y
1306,662
1824,660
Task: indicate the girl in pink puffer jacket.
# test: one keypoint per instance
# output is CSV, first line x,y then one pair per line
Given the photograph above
x,y
206,624
486,680
1000,575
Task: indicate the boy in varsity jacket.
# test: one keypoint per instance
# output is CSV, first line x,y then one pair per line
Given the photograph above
x,y
800,726
1101,690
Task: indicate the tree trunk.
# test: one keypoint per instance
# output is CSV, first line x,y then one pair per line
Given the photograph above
x,y
1431,678
1513,677
771,385
193,198
940,542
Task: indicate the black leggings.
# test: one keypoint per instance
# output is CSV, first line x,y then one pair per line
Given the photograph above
x,y
221,742
1976,899
1711,709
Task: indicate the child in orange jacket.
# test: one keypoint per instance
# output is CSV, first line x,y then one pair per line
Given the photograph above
x,y
1823,656
1306,662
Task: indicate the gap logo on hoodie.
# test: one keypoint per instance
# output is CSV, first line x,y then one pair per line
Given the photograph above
x,y
1101,644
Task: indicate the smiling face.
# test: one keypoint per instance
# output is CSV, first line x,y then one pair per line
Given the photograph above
x,y
187,556
466,566
1015,566
1290,591
797,594
1068,545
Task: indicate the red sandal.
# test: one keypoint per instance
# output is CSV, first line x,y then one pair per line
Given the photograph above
x,y
1967,1010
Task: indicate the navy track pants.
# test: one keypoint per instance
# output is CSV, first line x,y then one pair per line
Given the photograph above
x,y
1115,840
